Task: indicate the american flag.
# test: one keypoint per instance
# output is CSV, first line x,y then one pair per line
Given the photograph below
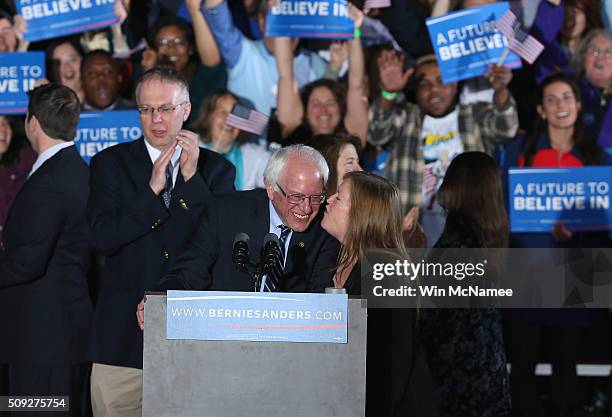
x,y
376,4
243,118
519,41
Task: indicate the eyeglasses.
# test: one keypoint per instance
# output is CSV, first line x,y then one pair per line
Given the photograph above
x,y
165,110
596,52
169,43
314,200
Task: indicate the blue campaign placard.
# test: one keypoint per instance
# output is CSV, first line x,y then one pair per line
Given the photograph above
x,y
466,42
47,19
577,197
310,19
98,131
257,317
19,71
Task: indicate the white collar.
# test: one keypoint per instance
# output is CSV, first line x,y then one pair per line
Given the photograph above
x,y
48,154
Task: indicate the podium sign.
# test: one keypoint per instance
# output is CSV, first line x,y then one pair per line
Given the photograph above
x,y
236,378
257,317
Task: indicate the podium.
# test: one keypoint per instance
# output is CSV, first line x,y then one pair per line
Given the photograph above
x,y
189,378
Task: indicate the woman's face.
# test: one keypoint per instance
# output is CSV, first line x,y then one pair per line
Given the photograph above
x,y
348,161
598,62
69,65
5,135
219,130
322,111
173,46
559,105
336,217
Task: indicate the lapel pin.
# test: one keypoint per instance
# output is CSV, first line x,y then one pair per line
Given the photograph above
x,y
301,244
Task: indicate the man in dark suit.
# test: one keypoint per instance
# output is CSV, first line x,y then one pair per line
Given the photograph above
x,y
145,202
45,310
295,177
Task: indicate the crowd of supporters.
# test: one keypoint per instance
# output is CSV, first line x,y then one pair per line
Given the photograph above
x,y
378,102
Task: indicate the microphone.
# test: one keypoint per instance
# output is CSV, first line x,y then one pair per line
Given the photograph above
x,y
240,252
272,255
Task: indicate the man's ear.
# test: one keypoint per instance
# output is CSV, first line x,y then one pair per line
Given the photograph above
x,y
186,111
540,111
269,190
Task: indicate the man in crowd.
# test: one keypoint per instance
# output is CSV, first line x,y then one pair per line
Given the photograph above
x,y
146,199
426,136
101,81
45,309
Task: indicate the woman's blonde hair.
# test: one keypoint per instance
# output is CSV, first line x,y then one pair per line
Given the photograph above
x,y
375,217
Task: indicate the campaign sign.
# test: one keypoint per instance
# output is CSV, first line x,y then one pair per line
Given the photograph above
x,y
578,197
257,316
19,71
98,131
310,19
466,42
48,19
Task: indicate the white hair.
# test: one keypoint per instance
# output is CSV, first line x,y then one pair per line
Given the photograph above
x,y
276,163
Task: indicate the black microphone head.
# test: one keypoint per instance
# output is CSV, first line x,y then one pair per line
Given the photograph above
x,y
242,237
240,251
271,237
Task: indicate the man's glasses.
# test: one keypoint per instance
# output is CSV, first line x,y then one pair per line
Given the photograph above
x,y
165,110
314,200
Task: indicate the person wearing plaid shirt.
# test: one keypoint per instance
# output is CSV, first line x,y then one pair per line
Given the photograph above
x,y
399,125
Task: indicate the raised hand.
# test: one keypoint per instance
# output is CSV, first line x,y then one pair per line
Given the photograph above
x,y
188,141
158,173
393,78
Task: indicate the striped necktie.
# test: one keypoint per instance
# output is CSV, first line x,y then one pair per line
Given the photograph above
x,y
167,194
273,279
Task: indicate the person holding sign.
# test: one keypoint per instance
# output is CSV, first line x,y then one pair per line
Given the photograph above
x,y
428,135
320,110
558,140
146,199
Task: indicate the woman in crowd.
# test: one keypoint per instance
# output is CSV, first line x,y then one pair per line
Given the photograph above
x,y
172,41
561,26
593,67
16,159
65,55
320,108
465,347
558,140
341,152
249,159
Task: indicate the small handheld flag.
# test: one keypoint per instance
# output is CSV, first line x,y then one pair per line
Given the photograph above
x,y
249,120
519,41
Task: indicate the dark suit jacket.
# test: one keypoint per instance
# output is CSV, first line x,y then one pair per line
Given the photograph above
x,y
45,309
207,263
139,237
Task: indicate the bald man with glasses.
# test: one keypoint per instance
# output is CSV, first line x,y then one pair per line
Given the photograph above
x,y
145,202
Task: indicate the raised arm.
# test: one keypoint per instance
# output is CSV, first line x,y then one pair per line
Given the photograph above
x,y
228,38
356,119
289,108
204,39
